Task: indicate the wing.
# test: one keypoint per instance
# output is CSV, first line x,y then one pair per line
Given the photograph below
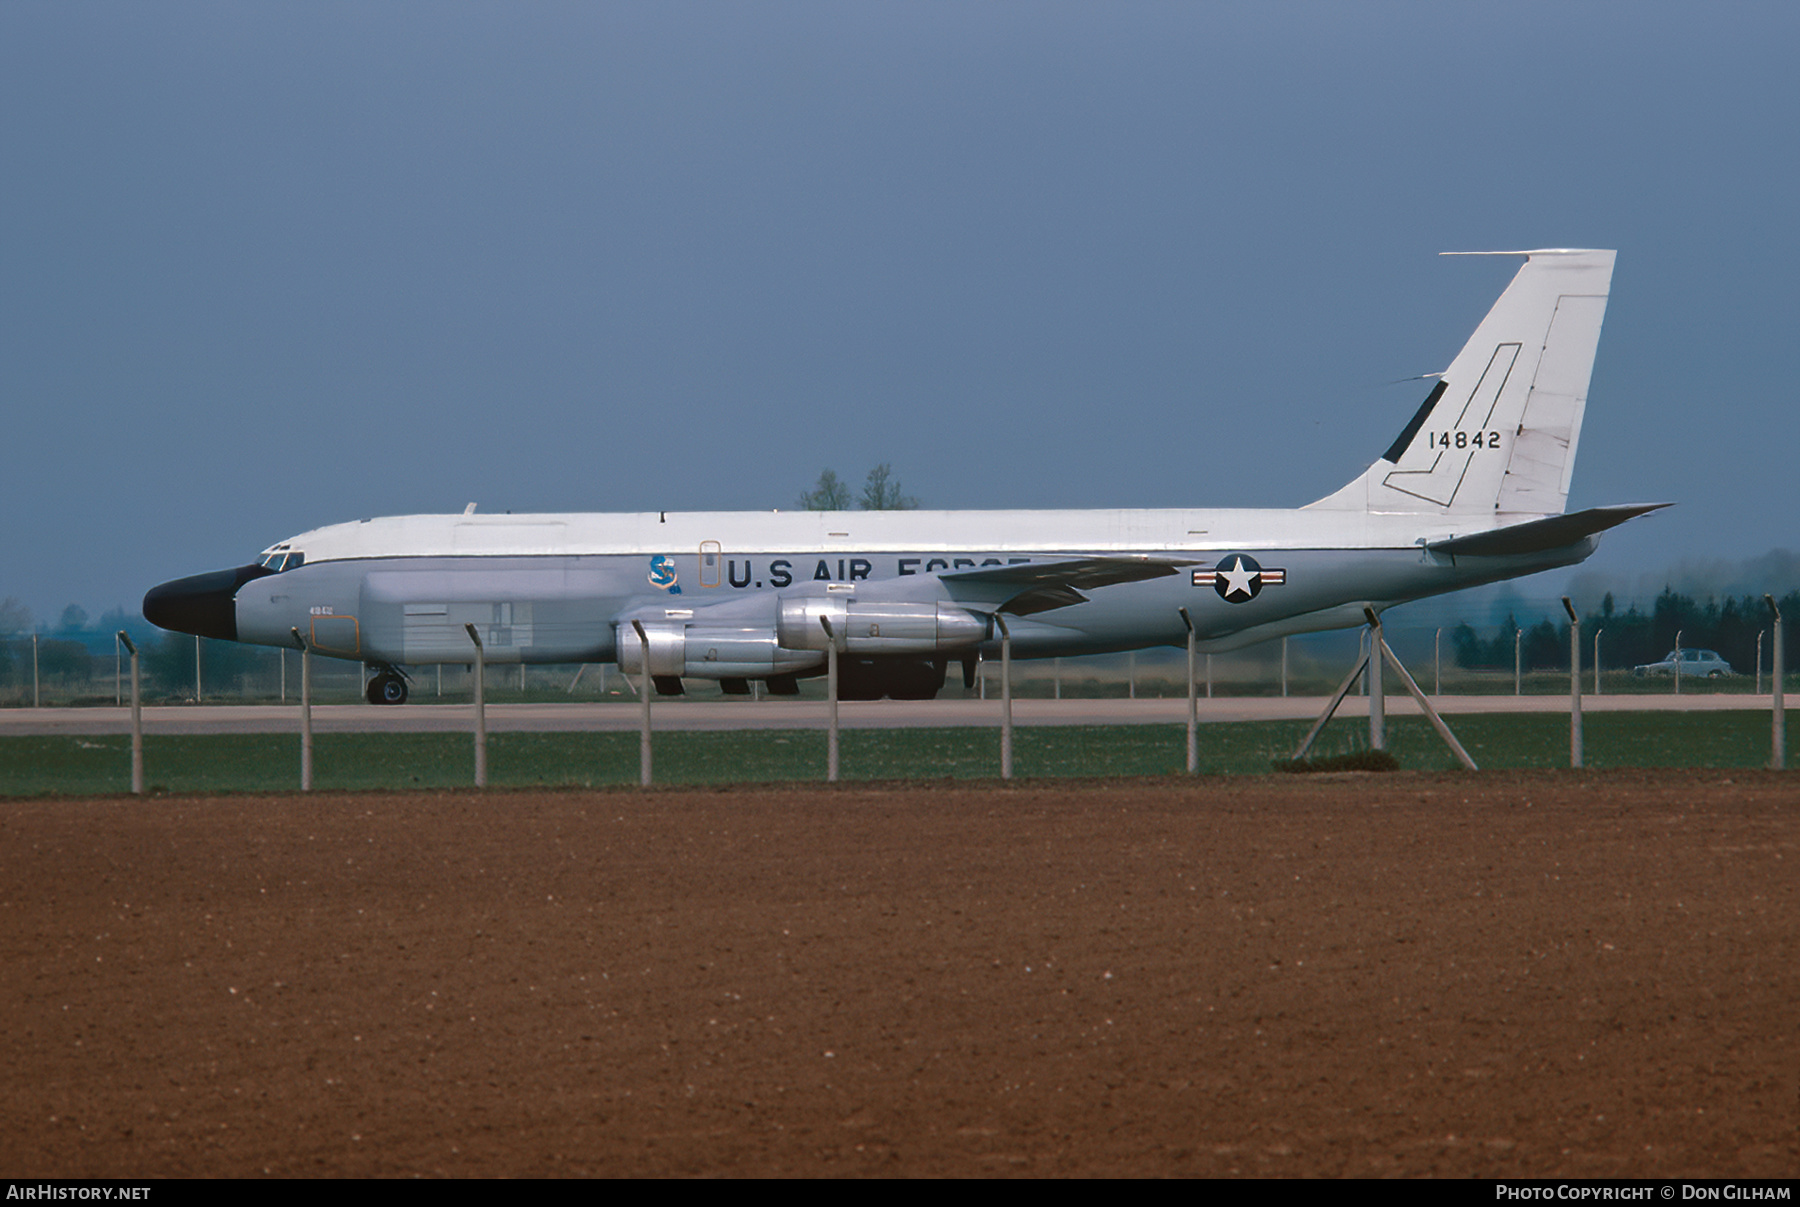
x,y
1025,588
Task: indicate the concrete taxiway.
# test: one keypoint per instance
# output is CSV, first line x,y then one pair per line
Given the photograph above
x,y
796,714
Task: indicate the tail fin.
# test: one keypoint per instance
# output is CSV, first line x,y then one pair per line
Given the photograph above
x,y
1498,433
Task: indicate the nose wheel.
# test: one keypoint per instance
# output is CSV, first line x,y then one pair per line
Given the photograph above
x,y
386,688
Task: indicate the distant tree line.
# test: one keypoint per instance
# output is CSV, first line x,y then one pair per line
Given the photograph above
x,y
69,655
166,666
881,492
1634,637
62,659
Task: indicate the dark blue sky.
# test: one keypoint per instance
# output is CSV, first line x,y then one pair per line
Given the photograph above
x,y
265,267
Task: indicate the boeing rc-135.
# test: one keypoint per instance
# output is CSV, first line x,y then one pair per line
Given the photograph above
x,y
1472,491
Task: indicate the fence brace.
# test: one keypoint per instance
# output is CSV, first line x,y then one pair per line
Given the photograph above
x,y
1377,642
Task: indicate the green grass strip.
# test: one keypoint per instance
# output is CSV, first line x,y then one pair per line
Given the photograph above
x,y
75,765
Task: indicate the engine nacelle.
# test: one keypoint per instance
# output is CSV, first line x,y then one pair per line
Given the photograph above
x,y
680,650
877,626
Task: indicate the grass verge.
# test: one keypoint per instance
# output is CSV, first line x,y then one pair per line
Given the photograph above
x,y
75,765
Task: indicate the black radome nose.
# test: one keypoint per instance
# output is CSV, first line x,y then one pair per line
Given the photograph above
x,y
202,604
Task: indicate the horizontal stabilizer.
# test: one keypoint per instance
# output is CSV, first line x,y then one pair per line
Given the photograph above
x,y
1536,536
1025,588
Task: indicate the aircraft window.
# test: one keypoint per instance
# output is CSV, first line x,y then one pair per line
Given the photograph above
x,y
295,561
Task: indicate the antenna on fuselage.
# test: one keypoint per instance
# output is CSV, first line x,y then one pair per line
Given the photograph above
x,y
469,510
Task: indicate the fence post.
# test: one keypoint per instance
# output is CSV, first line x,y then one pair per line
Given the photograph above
x,y
1193,720
306,732
137,720
1377,701
1777,701
644,737
1518,662
480,708
1597,633
1006,720
1574,683
831,692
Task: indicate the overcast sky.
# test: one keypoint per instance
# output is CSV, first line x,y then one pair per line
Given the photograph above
x,y
270,266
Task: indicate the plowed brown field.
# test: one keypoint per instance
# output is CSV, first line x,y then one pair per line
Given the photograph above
x,y
1494,974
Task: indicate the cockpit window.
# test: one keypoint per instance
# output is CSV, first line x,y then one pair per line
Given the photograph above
x,y
280,558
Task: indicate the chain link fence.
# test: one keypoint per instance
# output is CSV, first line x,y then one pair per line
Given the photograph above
x,y
1525,657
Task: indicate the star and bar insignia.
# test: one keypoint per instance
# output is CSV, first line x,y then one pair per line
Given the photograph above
x,y
1238,578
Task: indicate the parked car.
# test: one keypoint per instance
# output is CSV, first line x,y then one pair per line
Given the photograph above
x,y
1703,664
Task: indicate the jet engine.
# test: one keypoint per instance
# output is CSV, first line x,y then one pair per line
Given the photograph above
x,y
679,650
877,626
888,647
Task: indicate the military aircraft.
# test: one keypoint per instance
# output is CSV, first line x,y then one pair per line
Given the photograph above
x,y
1473,491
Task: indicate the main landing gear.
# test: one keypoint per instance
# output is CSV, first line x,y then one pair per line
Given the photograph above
x,y
387,687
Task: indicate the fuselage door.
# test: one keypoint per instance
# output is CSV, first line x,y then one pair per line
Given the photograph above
x,y
709,563
337,635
